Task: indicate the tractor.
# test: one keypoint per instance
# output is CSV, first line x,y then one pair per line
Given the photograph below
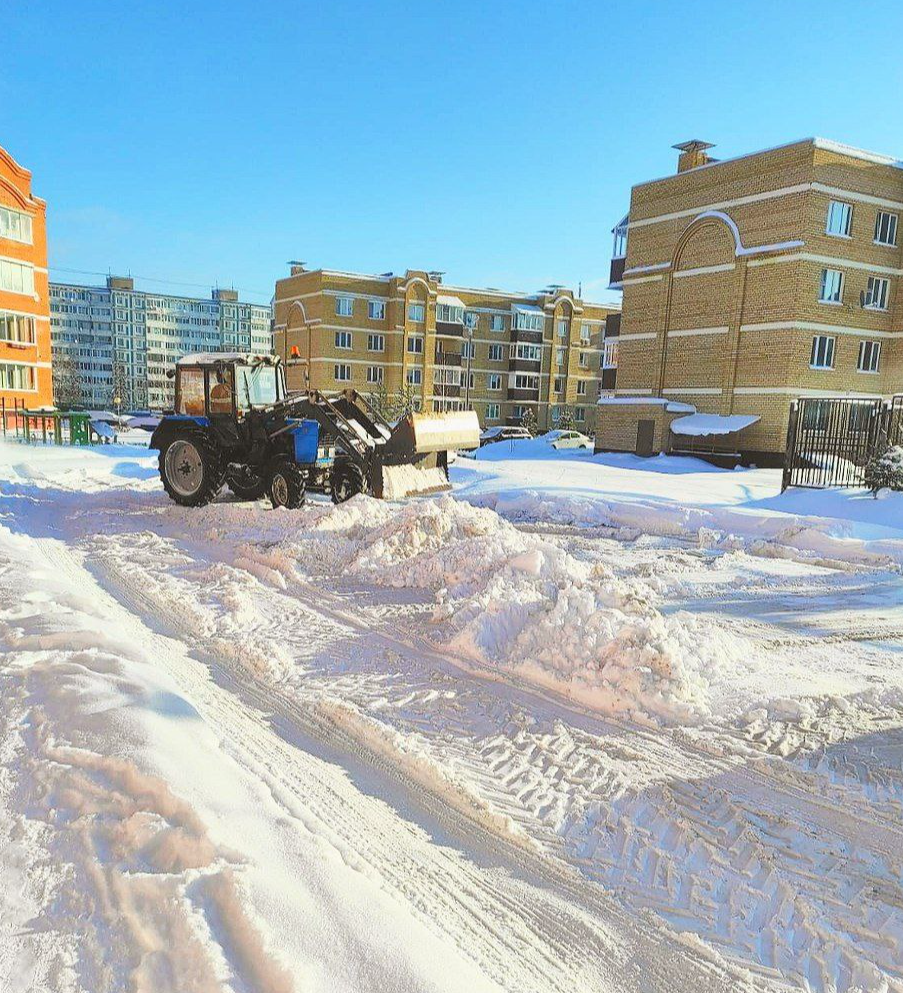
x,y
236,425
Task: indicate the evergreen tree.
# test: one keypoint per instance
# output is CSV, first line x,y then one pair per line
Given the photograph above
x,y
529,421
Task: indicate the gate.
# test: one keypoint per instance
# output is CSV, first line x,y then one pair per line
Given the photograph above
x,y
830,440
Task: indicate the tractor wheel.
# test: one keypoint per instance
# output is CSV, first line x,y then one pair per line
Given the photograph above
x,y
246,484
347,481
286,484
191,470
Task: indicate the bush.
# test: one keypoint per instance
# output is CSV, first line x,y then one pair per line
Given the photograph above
x,y
885,469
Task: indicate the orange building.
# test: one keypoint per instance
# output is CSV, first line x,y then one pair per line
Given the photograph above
x,y
24,300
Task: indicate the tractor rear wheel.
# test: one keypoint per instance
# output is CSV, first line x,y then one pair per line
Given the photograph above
x,y
347,481
191,470
246,484
286,484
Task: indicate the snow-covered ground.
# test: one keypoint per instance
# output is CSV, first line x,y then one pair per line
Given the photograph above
x,y
590,723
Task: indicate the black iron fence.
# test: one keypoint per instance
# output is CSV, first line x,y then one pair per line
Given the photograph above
x,y
830,439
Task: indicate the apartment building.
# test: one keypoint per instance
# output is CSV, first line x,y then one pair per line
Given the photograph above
x,y
449,347
119,341
24,317
748,282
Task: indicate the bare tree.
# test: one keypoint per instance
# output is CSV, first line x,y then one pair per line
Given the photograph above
x,y
67,391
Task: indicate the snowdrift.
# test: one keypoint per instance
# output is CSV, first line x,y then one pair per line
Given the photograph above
x,y
517,602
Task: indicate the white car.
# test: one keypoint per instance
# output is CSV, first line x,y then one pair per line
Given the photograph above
x,y
568,439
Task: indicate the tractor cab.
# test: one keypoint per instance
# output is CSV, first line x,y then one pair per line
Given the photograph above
x,y
211,384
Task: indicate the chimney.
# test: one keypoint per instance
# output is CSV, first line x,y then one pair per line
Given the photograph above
x,y
692,154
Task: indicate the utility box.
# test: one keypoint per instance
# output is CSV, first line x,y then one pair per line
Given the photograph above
x,y
307,438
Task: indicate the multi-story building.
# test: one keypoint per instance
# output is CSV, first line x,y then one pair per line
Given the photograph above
x,y
119,341
448,347
24,316
748,282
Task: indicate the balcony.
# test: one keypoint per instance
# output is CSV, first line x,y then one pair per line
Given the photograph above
x,y
448,358
528,337
612,325
609,377
518,395
616,273
446,390
450,328
524,365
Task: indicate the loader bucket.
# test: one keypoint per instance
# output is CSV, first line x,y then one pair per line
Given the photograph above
x,y
414,457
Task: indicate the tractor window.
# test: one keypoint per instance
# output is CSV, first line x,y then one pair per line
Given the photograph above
x,y
257,386
221,390
191,392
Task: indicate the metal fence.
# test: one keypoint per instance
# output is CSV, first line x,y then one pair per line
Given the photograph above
x,y
830,439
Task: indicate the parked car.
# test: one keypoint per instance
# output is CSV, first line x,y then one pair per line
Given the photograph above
x,y
568,439
501,433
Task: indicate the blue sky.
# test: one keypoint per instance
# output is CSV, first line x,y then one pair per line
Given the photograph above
x,y
205,142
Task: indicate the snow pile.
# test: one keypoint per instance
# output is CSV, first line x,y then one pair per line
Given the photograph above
x,y
513,600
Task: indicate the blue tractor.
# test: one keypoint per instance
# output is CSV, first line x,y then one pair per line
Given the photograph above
x,y
235,425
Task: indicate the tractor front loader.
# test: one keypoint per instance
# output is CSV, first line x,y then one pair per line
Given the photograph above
x,y
234,424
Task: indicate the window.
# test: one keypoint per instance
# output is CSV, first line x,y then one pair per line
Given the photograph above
x,y
415,344
869,356
840,219
526,381
15,225
17,328
529,321
472,381
559,384
583,361
415,377
822,356
342,373
496,322
343,339
344,307
885,228
815,415
581,387
496,353
191,392
518,411
586,332
562,329
619,248
22,377
530,353
376,310
561,356
493,411
875,297
580,414
610,354
467,350
416,312
471,319
374,373
556,414
376,342
16,277
445,312
494,381
831,286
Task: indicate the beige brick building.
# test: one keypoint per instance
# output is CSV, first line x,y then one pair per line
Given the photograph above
x,y
448,347
748,282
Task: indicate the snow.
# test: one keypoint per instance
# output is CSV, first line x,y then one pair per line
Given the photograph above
x,y
672,406
702,425
206,358
588,723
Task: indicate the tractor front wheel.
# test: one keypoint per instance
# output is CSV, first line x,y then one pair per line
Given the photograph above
x,y
191,470
246,484
286,484
347,481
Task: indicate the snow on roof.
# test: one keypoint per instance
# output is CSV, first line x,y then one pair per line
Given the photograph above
x,y
698,425
450,301
672,406
206,358
527,308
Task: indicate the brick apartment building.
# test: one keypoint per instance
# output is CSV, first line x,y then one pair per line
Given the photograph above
x,y
499,353
24,311
746,283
